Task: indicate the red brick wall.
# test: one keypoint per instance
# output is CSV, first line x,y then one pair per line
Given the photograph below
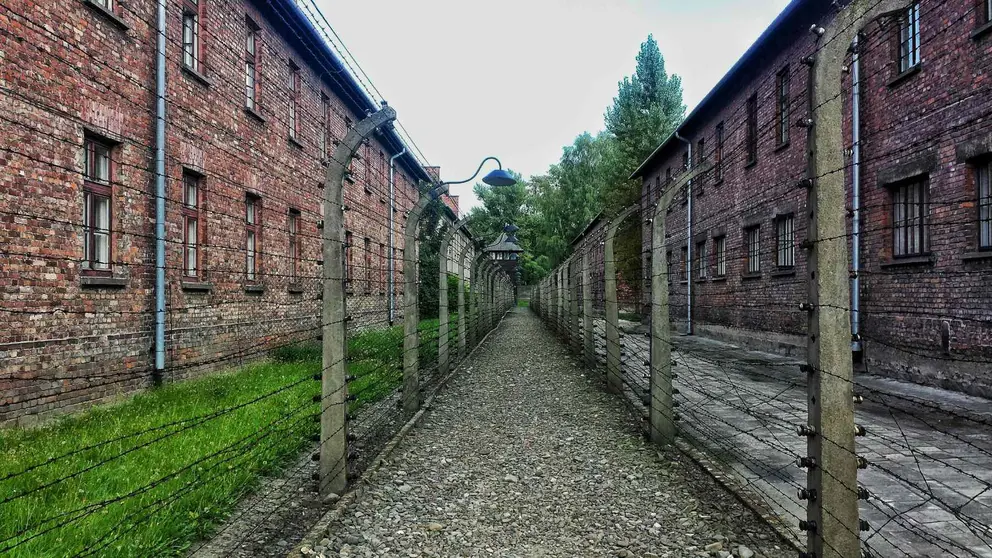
x,y
929,121
68,68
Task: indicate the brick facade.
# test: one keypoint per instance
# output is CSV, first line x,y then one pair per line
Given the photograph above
x,y
929,124
71,71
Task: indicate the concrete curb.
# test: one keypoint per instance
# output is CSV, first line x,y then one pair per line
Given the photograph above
x,y
734,484
319,529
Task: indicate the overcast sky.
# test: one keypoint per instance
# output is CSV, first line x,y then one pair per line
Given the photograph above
x,y
519,79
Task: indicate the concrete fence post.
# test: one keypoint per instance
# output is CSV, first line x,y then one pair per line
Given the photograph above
x,y
333,457
614,372
444,318
411,311
575,291
832,526
462,318
589,343
660,399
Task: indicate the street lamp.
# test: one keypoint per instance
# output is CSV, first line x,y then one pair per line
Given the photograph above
x,y
497,177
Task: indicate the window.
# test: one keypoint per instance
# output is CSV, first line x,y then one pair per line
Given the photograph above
x,y
752,129
349,264
325,115
785,241
97,192
700,150
367,159
718,155
684,275
294,245
701,260
720,253
752,237
381,288
985,205
251,66
782,110
685,160
986,14
294,100
909,219
656,194
253,236
368,266
909,38
109,4
191,224
191,34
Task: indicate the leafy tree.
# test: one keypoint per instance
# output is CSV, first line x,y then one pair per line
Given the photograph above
x,y
647,109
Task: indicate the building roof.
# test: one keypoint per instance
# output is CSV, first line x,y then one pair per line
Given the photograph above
x,y
299,32
502,245
793,20
589,228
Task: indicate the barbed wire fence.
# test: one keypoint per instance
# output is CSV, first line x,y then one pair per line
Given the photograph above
x,y
911,462
313,417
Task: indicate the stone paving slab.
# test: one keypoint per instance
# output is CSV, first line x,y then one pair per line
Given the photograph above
x,y
930,450
524,455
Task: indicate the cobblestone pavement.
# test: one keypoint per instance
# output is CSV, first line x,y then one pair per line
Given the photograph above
x,y
930,450
524,455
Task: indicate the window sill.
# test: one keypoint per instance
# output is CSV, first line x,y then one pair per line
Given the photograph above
x,y
718,278
254,114
899,79
294,288
254,289
197,76
980,32
906,262
295,142
750,276
103,281
114,18
751,164
975,256
782,146
368,191
703,280
683,282
718,182
197,286
785,272
349,177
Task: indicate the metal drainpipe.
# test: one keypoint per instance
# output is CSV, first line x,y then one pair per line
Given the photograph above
x,y
392,242
856,199
688,267
160,198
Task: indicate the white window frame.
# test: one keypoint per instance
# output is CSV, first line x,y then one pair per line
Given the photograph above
x,y
909,39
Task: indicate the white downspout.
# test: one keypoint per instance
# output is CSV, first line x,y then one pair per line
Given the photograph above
x,y
392,242
688,264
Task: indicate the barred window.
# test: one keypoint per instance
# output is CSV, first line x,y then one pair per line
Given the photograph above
x,y
752,237
191,224
294,245
785,241
720,253
325,115
700,257
251,65
191,34
987,11
985,205
253,236
909,219
718,154
909,38
782,113
294,100
97,193
752,129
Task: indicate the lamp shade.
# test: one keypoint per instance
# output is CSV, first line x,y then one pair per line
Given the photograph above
x,y
499,177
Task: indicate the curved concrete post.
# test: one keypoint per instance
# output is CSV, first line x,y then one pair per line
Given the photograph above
x,y
588,340
411,314
614,373
462,318
831,397
443,326
333,466
475,297
662,418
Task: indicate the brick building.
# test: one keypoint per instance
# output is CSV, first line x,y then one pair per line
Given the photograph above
x,y
925,234
255,99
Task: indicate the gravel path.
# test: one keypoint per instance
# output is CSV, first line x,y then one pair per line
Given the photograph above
x,y
524,455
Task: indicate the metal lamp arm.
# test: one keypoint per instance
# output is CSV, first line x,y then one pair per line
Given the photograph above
x,y
477,171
